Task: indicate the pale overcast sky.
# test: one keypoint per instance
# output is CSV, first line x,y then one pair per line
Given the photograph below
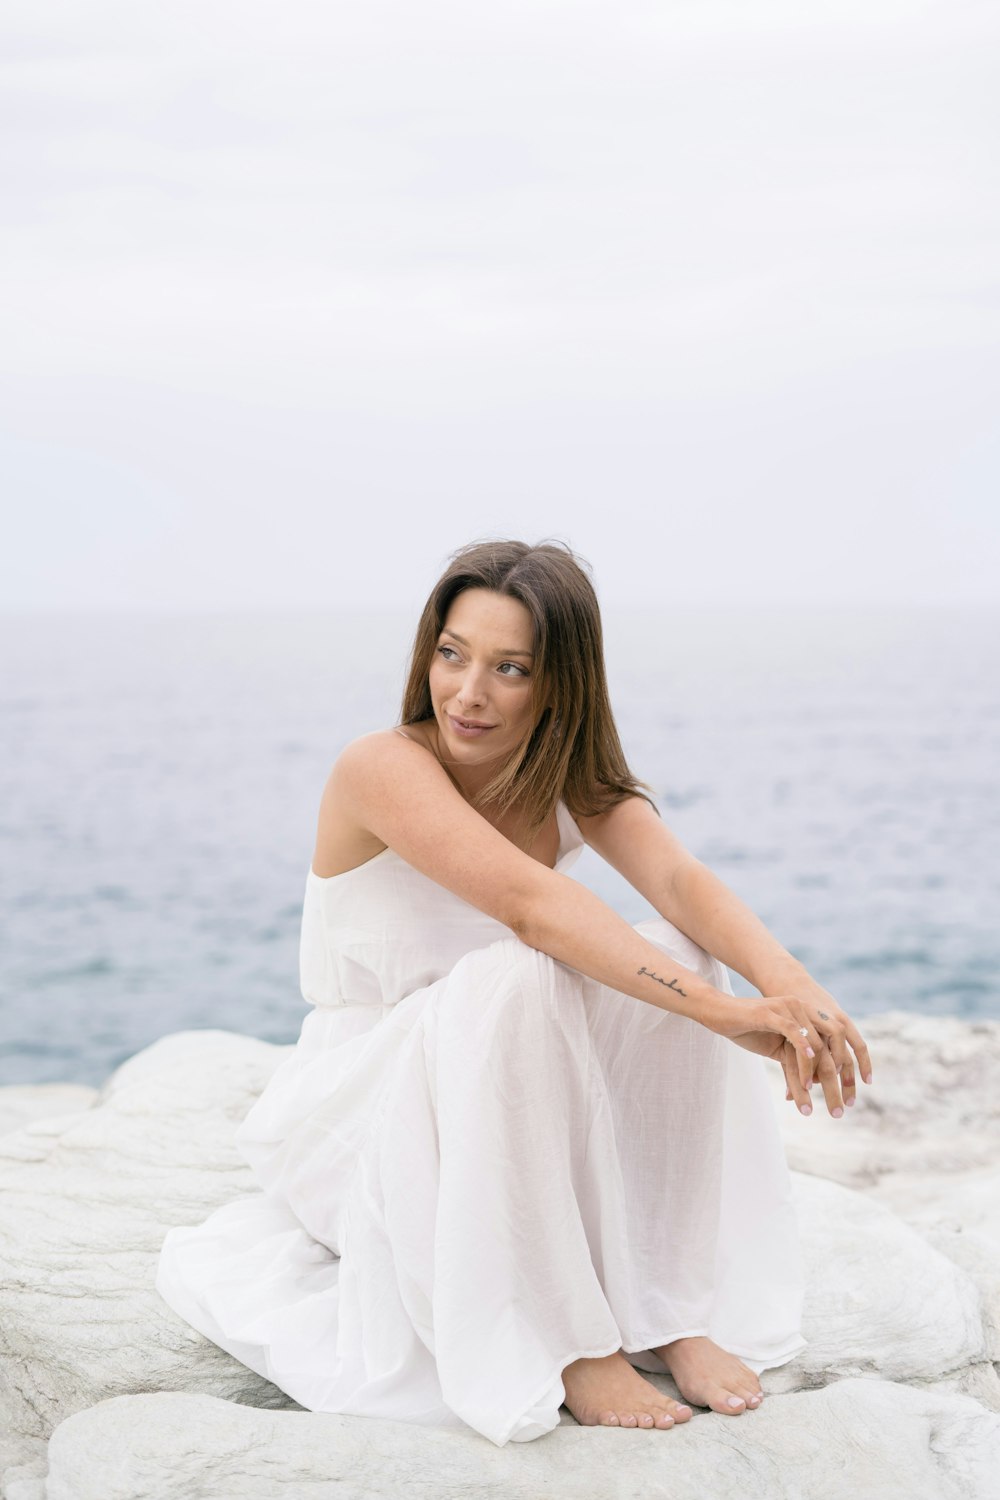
x,y
297,297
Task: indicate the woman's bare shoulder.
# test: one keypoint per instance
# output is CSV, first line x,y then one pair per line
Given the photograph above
x,y
382,748
390,792
364,769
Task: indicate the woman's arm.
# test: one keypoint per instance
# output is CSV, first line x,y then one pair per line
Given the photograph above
x,y
639,845
397,790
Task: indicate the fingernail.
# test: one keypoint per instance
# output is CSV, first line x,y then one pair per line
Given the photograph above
x,y
850,1102
837,1112
868,1078
810,1052
806,1109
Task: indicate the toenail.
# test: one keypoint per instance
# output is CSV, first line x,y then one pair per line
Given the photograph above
x,y
685,1411
736,1401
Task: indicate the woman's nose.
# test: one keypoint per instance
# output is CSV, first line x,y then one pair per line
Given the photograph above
x,y
472,689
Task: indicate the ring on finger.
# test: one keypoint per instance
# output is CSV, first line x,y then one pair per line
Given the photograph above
x,y
803,1031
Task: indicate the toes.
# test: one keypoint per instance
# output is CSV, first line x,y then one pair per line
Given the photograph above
x,y
661,1419
727,1402
680,1413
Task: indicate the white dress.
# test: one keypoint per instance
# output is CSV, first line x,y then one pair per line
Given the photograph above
x,y
478,1165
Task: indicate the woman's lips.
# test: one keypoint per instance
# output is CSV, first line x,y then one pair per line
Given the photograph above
x,y
469,731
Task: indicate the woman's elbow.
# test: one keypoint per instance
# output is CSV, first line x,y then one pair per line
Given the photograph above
x,y
529,916
523,926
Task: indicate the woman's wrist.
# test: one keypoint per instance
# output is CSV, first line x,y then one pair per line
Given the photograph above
x,y
777,974
719,1011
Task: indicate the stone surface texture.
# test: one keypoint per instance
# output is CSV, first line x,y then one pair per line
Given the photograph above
x,y
867,1436
105,1392
22,1103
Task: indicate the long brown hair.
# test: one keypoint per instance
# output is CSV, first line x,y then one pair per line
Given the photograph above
x,y
573,751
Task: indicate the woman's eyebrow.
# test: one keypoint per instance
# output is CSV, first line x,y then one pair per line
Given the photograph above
x,y
463,642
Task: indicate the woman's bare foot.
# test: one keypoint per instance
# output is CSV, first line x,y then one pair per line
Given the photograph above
x,y
609,1392
708,1376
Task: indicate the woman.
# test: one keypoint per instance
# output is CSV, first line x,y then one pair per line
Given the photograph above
x,y
515,1158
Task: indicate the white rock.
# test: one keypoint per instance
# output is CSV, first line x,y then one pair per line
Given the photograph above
x,y
924,1141
880,1299
867,1438
20,1104
932,1112
970,1202
91,1193
89,1197
982,1382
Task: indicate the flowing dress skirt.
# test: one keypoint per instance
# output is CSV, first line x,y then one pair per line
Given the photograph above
x,y
507,1170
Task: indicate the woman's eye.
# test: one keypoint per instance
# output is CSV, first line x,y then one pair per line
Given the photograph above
x,y
448,653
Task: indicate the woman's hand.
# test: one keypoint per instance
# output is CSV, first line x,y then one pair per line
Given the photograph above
x,y
808,1034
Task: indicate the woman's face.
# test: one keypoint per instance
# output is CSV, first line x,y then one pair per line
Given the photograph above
x,y
481,677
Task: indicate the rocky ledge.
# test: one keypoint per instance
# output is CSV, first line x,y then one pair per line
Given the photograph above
x,y
106,1395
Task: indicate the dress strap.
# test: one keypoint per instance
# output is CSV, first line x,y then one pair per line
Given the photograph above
x,y
571,840
405,736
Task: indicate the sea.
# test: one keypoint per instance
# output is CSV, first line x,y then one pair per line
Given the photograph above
x,y
160,777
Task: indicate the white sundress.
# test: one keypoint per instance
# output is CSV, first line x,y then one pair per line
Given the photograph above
x,y
478,1165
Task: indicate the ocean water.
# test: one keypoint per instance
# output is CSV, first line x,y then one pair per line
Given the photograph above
x,y
160,778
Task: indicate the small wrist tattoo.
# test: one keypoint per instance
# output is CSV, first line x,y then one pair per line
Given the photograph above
x,y
667,985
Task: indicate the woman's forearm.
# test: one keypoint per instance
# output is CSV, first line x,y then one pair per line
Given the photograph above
x,y
713,916
573,925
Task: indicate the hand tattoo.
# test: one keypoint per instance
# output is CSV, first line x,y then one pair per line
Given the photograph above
x,y
671,985
823,1016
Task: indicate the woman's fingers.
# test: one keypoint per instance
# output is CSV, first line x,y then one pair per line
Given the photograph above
x,y
835,1036
829,1079
839,1031
795,1089
800,1038
818,1045
808,1045
857,1041
848,1083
